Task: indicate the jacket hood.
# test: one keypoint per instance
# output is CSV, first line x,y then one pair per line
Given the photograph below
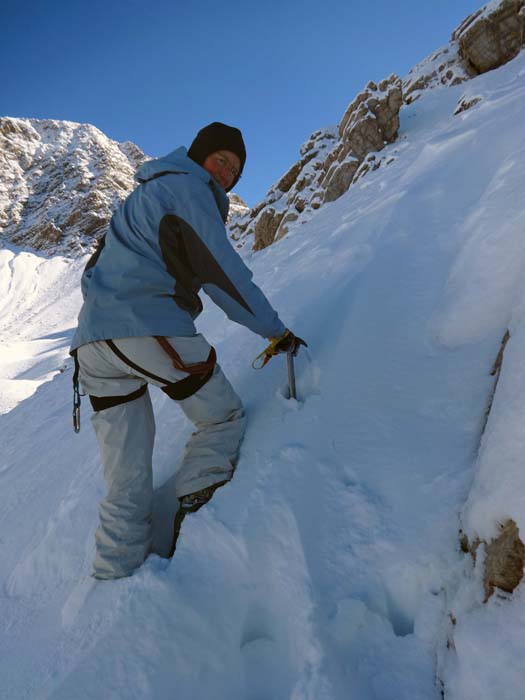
x,y
178,161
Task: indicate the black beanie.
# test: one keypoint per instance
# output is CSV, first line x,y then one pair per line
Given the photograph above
x,y
218,137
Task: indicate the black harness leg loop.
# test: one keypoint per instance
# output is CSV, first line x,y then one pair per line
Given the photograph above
x,y
100,403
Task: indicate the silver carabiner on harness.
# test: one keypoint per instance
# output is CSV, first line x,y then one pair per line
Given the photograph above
x,y
76,395
76,408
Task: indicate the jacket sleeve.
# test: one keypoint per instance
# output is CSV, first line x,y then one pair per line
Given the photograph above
x,y
202,240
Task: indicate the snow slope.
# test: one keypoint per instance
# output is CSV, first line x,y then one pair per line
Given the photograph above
x,y
328,568
38,298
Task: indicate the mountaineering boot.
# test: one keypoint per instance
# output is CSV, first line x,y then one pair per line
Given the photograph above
x,y
191,504
193,501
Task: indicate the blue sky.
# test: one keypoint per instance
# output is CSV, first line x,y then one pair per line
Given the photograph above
x,y
156,72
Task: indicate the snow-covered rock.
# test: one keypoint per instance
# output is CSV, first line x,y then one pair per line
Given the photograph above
x,y
238,206
369,123
492,36
330,161
442,68
60,183
486,39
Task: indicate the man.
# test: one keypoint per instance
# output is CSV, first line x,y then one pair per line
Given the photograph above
x,y
136,327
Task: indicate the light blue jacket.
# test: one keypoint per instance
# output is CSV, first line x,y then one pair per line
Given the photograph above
x,y
165,242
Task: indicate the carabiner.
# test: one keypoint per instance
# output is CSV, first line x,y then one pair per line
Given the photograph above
x,y
76,409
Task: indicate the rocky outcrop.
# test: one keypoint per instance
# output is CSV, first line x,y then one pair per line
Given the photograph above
x,y
370,122
485,40
339,178
238,206
465,103
266,227
330,161
378,106
504,560
504,554
443,68
491,36
288,199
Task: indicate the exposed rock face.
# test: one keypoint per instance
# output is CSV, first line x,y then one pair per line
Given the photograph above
x,y
266,227
238,206
466,103
483,41
505,554
339,178
60,183
288,198
443,68
329,161
492,36
504,559
370,122
377,105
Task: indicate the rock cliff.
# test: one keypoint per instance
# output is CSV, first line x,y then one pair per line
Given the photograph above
x,y
330,161
491,36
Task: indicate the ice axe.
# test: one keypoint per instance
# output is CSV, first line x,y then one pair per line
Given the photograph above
x,y
265,356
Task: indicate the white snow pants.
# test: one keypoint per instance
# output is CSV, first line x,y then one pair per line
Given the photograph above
x,y
119,370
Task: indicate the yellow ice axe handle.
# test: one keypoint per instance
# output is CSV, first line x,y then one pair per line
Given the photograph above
x,y
266,355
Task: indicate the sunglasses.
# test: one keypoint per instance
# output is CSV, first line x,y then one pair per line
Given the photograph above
x,y
225,164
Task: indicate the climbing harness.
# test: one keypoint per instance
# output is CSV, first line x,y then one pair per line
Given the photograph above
x,y
202,368
199,373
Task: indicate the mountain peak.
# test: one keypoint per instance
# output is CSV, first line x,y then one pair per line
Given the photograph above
x,y
62,181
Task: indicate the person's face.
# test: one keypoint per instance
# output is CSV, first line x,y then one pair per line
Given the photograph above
x,y
223,166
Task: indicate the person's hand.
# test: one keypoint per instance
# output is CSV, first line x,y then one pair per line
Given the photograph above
x,y
288,343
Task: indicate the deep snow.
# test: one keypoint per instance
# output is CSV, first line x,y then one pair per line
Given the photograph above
x,y
329,567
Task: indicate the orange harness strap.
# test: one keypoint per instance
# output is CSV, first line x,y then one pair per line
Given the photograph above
x,y
178,363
